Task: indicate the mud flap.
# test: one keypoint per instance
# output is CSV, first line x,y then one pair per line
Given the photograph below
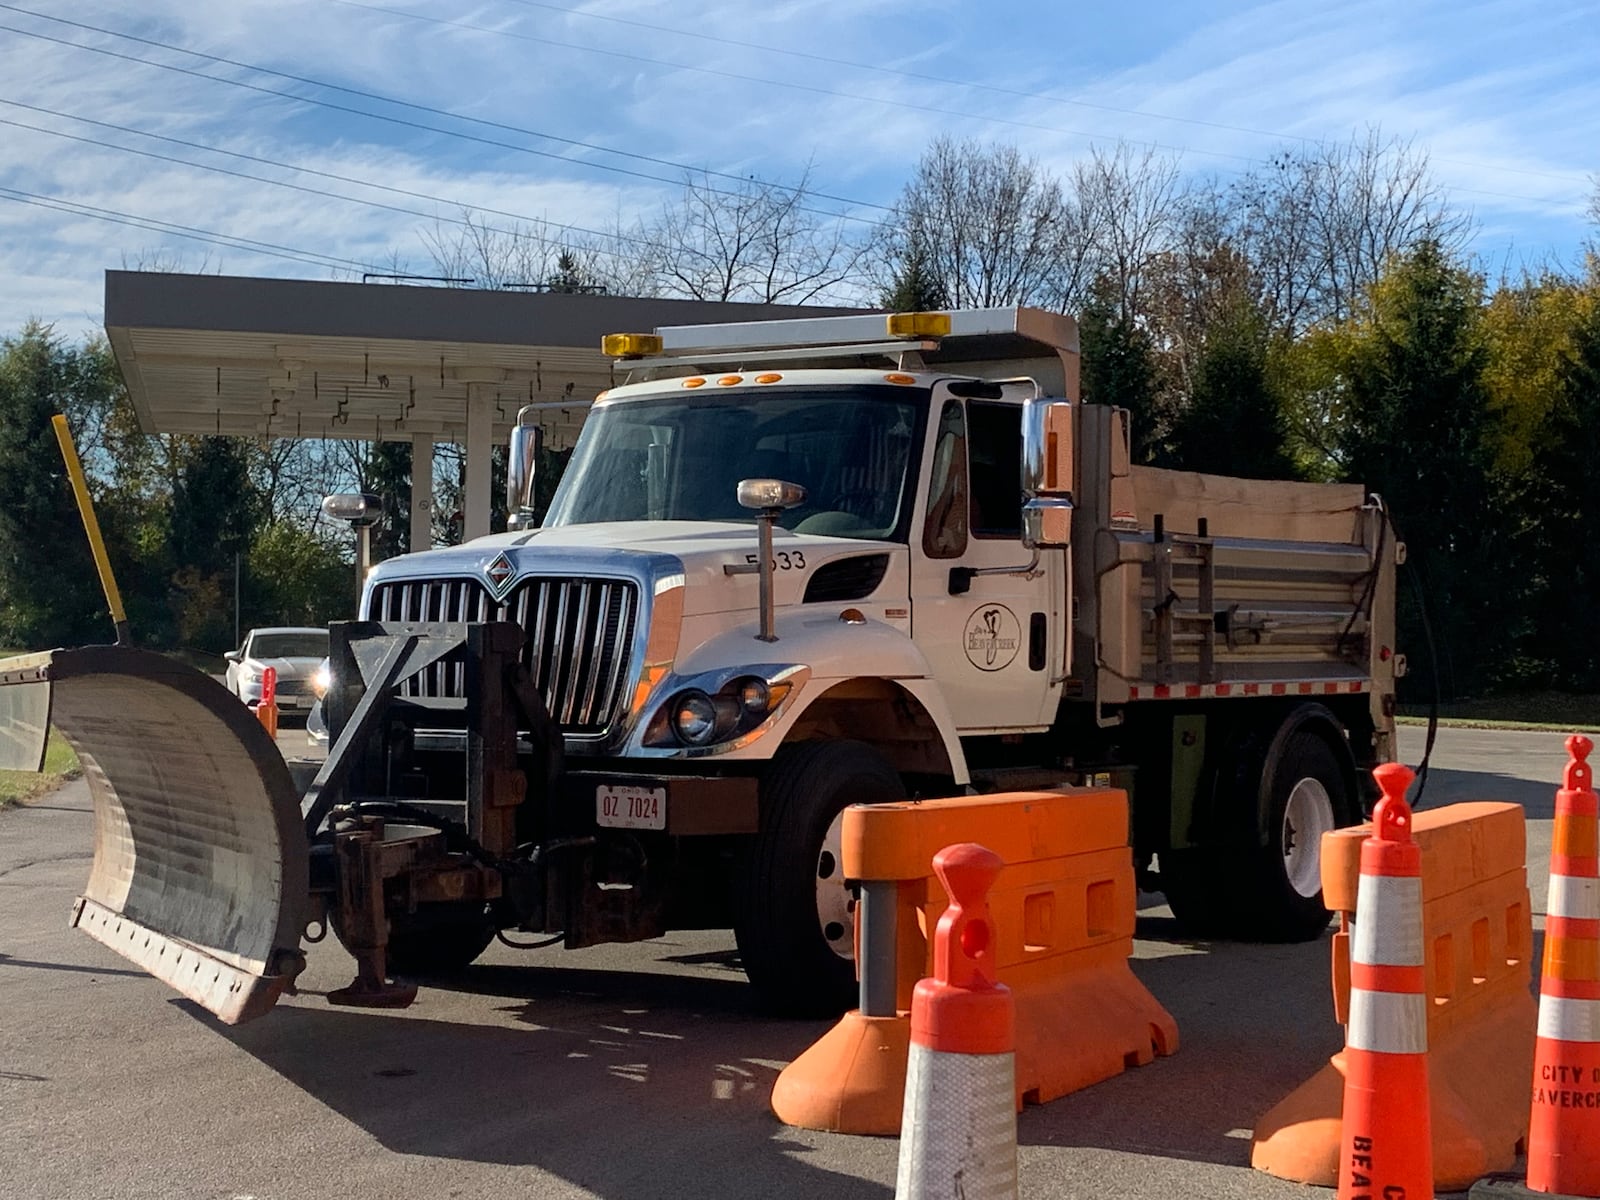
x,y
200,861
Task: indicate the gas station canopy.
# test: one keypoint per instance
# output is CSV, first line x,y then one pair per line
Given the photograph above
x,y
285,358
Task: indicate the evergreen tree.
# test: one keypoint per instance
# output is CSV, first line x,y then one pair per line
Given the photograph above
x,y
1118,367
388,475
570,276
1234,424
215,513
49,591
915,287
1418,431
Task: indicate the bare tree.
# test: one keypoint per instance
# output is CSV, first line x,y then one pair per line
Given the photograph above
x,y
1201,277
1132,202
1319,222
492,256
757,241
989,227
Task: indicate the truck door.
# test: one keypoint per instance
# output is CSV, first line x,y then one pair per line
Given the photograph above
x,y
994,641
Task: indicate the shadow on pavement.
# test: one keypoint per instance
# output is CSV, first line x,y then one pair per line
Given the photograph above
x,y
596,1073
7,960
1444,787
628,1084
1242,1048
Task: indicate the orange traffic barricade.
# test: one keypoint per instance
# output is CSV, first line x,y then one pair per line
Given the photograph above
x,y
1064,910
1477,939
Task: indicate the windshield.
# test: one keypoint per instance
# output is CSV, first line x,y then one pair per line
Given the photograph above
x,y
289,645
680,459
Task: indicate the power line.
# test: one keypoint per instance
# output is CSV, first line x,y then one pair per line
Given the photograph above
x,y
382,99
153,225
642,242
997,89
569,141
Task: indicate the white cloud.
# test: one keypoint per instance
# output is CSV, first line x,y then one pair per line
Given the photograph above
x,y
1502,95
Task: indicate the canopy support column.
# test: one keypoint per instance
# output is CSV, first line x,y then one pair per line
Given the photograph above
x,y
421,492
479,449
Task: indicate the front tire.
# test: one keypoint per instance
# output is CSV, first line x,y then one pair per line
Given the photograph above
x,y
793,916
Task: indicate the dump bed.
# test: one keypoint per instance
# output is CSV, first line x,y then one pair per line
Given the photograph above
x,y
1206,586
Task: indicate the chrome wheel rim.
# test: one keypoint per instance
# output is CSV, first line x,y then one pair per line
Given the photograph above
x,y
1306,817
836,907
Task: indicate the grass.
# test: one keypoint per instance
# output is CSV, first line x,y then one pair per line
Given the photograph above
x,y
1560,711
60,765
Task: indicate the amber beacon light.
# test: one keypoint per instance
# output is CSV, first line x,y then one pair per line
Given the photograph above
x,y
630,345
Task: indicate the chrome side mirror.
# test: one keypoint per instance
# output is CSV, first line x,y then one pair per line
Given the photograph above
x,y
1047,473
522,466
1046,448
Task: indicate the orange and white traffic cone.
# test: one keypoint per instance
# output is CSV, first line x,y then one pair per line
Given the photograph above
x,y
1564,1123
1564,1127
1386,1140
958,1135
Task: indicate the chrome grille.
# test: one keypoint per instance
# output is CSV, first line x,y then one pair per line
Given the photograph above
x,y
579,638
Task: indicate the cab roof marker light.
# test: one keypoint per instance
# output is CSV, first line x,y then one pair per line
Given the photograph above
x,y
694,381
919,325
730,380
896,377
770,377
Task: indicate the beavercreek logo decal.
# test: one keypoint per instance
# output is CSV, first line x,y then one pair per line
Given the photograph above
x,y
993,637
499,573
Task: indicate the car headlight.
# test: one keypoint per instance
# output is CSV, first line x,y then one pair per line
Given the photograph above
x,y
321,681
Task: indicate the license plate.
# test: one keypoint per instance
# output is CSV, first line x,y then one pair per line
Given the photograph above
x,y
630,807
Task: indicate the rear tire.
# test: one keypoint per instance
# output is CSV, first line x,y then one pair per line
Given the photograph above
x,y
793,918
1271,889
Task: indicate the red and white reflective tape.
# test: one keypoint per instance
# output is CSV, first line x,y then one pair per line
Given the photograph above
x,y
1575,897
1218,691
1388,943
1387,1022
1567,1019
1388,1010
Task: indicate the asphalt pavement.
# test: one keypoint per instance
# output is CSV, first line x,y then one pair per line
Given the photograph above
x,y
623,1073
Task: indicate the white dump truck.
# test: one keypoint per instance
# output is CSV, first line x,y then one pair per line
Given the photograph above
x,y
791,566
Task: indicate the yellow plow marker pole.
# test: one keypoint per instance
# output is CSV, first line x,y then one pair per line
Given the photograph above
x,y
97,544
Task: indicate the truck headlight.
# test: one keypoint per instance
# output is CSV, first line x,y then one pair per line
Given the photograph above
x,y
755,697
694,718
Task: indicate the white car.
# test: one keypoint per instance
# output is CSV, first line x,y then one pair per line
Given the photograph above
x,y
294,652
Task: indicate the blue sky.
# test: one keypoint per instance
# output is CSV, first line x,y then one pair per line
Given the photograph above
x,y
1504,97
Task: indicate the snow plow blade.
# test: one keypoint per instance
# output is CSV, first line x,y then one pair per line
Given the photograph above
x,y
200,870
